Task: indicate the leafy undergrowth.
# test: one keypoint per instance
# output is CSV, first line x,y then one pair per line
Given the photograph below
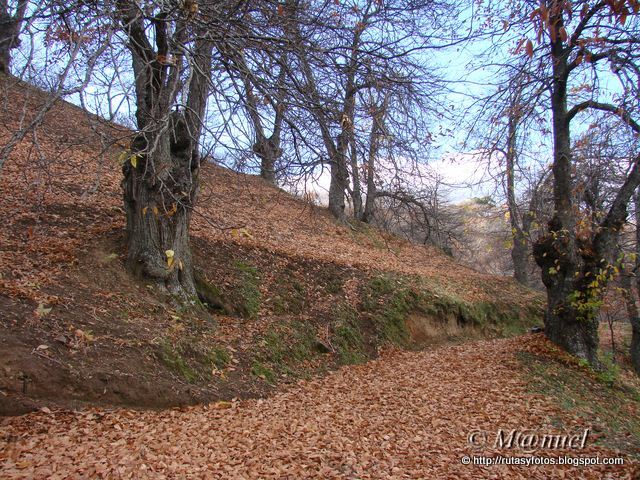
x,y
606,400
285,292
404,415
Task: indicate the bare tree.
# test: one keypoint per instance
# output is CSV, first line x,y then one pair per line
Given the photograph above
x,y
172,68
259,90
571,264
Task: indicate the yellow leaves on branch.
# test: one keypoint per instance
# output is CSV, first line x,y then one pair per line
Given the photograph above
x,y
173,210
131,157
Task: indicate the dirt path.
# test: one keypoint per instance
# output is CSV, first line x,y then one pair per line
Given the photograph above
x,y
406,415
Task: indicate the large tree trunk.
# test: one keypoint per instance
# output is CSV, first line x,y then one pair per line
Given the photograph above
x,y
574,331
161,176
634,349
356,191
10,31
268,151
557,252
520,258
520,247
338,186
159,193
377,131
370,201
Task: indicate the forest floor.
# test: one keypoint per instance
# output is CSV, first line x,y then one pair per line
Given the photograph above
x,y
346,352
403,415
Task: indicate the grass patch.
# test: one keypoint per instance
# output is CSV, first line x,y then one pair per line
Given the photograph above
x,y
286,348
248,289
260,370
289,296
192,361
333,285
219,357
607,406
209,295
173,358
388,299
347,336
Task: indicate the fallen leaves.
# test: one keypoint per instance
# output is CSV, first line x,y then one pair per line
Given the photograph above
x,y
43,311
405,415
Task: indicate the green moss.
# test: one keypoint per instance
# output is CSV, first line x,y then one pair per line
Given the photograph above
x,y
172,357
346,337
333,285
288,346
260,370
609,373
289,296
219,357
209,295
347,340
249,289
274,346
191,360
389,299
304,342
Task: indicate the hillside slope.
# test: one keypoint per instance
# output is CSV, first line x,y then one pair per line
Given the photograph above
x,y
304,293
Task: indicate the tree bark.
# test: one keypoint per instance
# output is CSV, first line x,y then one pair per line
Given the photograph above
x,y
338,186
161,176
377,131
268,151
634,316
159,194
356,191
557,252
10,31
520,258
520,247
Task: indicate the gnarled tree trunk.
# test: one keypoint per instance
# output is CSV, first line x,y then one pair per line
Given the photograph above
x,y
338,186
557,252
161,174
160,188
634,315
377,132
268,151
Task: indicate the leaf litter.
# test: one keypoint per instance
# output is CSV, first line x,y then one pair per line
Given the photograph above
x,y
404,415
